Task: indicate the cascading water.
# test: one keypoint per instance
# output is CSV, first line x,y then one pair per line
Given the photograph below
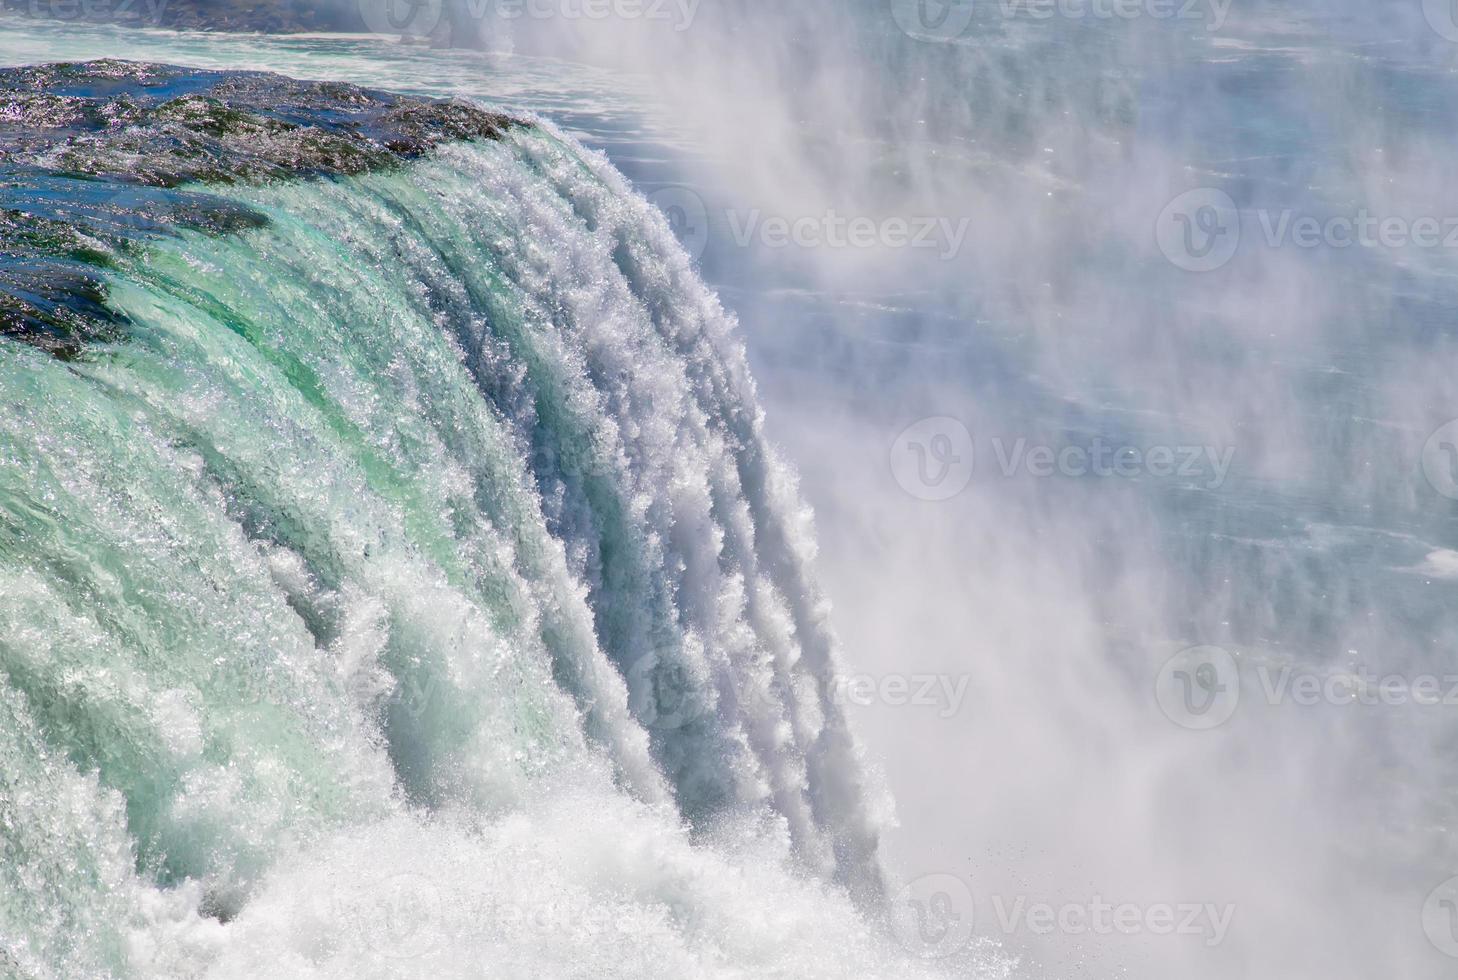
x,y
402,585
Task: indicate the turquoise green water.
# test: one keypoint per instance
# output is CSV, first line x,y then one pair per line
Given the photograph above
x,y
431,521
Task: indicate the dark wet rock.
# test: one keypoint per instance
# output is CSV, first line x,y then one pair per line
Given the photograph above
x,y
57,306
104,155
166,126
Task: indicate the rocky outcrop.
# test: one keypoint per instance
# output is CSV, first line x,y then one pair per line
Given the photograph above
x,y
104,155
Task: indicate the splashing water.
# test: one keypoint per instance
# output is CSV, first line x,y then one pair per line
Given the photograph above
x,y
411,591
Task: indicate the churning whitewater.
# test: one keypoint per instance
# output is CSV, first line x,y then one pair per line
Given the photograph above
x,y
404,587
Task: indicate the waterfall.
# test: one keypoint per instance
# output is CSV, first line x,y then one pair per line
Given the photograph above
x,y
402,584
